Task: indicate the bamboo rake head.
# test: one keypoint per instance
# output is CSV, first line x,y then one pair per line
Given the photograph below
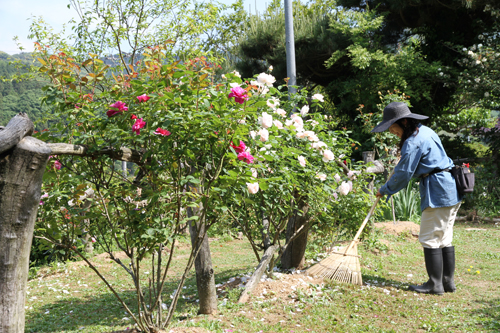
x,y
340,267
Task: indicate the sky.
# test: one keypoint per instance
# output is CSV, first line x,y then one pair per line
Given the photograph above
x,y
15,15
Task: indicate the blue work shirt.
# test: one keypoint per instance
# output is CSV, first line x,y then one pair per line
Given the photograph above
x,y
421,154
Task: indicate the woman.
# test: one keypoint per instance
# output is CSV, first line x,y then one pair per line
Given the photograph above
x,y
423,157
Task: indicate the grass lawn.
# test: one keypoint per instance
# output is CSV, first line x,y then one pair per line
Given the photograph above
x,y
70,298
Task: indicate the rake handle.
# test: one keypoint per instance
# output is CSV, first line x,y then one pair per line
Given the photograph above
x,y
366,219
360,230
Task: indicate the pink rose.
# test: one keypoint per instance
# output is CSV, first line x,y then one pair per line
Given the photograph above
x,y
246,157
162,132
302,161
118,107
139,123
239,94
133,117
143,98
239,149
58,165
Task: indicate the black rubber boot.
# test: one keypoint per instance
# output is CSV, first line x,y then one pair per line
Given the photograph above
x,y
434,266
449,269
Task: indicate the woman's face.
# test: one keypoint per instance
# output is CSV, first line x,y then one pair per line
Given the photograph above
x,y
396,130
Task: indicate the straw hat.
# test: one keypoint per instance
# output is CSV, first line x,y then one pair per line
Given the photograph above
x,y
392,113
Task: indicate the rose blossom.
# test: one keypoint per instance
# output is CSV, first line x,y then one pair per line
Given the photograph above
x,y
239,94
278,124
118,107
253,134
304,110
266,79
235,72
273,102
139,123
344,188
254,172
253,187
133,117
266,120
58,165
318,145
336,177
264,135
350,175
328,156
143,98
281,112
318,97
298,123
245,157
240,148
335,195
162,132
302,161
321,176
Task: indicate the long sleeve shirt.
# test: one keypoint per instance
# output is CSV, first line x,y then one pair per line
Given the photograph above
x,y
421,154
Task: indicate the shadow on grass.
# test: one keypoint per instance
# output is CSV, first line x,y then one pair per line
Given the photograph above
x,y
381,282
489,314
104,312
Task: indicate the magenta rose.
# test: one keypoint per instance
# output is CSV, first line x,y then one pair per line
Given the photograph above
x,y
239,94
139,123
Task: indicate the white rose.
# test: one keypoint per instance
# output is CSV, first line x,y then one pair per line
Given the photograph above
x,y
328,155
298,122
266,120
289,122
278,124
273,102
281,112
301,135
253,134
318,97
254,172
336,177
234,84
253,187
344,188
318,145
242,121
304,110
302,161
321,176
351,175
236,73
264,135
266,79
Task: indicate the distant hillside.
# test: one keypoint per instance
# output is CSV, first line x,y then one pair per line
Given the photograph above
x,y
20,95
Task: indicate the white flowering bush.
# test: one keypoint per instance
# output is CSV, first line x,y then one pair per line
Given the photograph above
x,y
287,164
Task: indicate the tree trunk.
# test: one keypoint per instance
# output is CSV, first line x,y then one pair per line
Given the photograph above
x,y
205,279
259,271
21,172
293,257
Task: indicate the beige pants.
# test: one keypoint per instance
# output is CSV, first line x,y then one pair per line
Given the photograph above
x,y
436,226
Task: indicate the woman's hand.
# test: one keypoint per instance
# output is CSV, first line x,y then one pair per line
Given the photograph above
x,y
379,195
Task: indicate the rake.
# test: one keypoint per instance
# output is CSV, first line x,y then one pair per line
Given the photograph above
x,y
343,266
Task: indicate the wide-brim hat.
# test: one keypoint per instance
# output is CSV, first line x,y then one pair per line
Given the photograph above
x,y
393,112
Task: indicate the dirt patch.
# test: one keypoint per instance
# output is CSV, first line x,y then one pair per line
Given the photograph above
x,y
284,286
171,330
400,228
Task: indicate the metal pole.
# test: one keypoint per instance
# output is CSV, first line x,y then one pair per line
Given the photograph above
x,y
124,169
290,48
